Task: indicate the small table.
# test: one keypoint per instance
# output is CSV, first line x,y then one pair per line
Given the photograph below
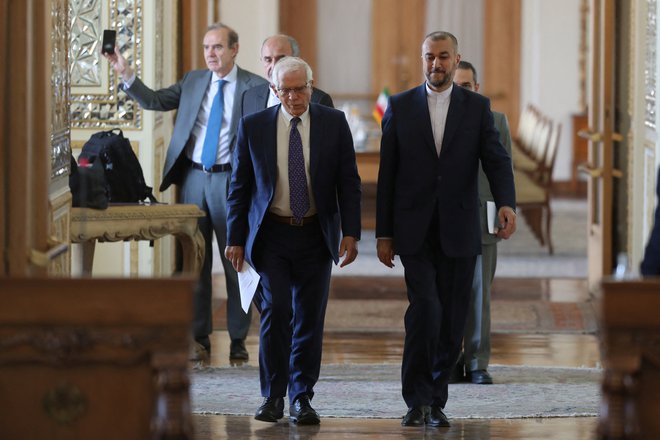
x,y
140,222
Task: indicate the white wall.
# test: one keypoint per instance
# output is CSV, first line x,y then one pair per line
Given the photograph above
x,y
463,19
550,68
253,20
342,25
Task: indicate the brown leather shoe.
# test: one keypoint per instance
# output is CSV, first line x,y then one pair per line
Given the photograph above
x,y
198,353
237,350
437,418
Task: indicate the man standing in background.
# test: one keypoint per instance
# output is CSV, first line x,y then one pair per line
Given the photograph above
x,y
199,161
473,363
273,49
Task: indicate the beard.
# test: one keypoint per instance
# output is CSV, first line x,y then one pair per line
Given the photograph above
x,y
438,81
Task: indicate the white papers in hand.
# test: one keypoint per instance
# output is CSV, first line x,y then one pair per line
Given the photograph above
x,y
491,217
248,280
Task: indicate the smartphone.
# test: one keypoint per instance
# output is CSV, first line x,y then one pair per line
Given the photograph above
x,y
109,37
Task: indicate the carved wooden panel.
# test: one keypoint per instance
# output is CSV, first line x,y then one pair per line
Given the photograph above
x,y
631,356
101,359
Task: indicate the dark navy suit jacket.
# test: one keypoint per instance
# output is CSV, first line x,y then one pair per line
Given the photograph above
x,y
651,263
334,178
413,181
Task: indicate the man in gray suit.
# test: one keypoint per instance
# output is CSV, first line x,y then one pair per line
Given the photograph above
x,y
473,364
208,101
273,49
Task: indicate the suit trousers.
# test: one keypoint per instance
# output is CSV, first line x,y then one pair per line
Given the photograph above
x,y
476,341
209,192
295,265
439,295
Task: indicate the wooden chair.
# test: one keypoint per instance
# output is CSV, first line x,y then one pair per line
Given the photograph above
x,y
533,190
95,358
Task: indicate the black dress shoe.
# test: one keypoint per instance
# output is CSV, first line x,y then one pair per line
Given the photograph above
x,y
437,418
237,350
416,416
302,413
480,377
271,410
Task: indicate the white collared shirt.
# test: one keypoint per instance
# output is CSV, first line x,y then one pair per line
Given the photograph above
x,y
281,199
438,107
273,99
199,129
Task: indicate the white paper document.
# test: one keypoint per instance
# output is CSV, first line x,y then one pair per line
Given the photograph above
x,y
491,217
248,280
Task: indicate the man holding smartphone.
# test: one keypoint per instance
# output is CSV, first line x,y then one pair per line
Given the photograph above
x,y
199,161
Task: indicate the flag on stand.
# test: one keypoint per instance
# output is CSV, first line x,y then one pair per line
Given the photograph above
x,y
381,105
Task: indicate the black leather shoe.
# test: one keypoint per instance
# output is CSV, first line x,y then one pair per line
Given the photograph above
x,y
480,377
237,350
416,416
271,410
437,418
302,413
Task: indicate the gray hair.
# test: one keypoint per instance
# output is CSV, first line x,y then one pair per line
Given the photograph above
x,y
288,64
233,36
295,47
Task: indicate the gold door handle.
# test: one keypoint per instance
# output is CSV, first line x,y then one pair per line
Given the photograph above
x,y
597,172
594,136
43,259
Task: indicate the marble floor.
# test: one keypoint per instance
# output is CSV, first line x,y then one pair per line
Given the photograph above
x,y
540,348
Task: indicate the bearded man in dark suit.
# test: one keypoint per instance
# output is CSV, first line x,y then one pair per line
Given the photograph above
x,y
427,212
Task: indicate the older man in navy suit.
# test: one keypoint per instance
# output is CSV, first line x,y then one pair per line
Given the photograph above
x,y
293,209
427,212
198,159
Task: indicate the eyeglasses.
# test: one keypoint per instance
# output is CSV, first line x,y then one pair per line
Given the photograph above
x,y
294,90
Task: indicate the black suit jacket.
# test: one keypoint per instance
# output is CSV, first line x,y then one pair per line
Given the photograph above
x,y
650,265
255,99
414,184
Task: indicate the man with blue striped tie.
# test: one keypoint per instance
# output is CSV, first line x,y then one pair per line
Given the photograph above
x,y
199,162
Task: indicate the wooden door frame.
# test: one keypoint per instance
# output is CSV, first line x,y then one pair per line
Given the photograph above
x,y
26,126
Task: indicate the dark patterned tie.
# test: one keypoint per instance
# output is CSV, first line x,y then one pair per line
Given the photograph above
x,y
210,150
298,193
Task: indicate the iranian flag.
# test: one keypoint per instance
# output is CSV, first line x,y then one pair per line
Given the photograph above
x,y
381,105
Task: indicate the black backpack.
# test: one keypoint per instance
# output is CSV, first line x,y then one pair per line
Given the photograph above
x,y
123,173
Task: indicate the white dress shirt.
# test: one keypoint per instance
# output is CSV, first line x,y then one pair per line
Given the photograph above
x,y
273,99
438,107
281,199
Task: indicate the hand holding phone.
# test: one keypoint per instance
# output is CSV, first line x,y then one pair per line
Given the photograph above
x,y
109,41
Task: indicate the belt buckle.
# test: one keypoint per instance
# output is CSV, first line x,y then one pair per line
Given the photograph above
x,y
294,222
207,170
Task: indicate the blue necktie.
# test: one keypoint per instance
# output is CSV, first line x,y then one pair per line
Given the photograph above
x,y
298,193
210,150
